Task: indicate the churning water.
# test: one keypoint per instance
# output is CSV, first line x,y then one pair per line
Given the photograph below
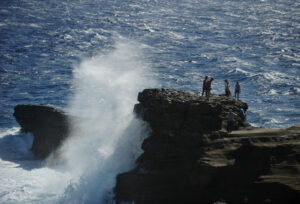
x,y
92,57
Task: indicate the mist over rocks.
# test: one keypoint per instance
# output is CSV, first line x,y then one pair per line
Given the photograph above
x,y
190,157
48,125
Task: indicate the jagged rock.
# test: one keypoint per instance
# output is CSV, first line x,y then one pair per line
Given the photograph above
x,y
48,125
190,157
174,110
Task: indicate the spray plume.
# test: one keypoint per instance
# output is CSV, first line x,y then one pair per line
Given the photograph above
x,y
106,137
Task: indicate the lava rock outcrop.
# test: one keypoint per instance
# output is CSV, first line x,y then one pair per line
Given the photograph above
x,y
48,125
191,157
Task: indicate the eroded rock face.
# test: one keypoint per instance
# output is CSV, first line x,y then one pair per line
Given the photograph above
x,y
48,125
174,111
190,157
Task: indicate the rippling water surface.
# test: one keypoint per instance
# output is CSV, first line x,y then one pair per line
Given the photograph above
x,y
256,42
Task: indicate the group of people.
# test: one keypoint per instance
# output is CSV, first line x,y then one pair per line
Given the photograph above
x,y
231,120
206,88
237,89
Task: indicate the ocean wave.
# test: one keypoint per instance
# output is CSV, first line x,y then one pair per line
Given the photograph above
x,y
148,28
239,74
268,80
293,91
184,40
14,144
9,131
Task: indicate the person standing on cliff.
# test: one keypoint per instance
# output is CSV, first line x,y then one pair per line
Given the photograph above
x,y
204,85
208,87
237,90
227,88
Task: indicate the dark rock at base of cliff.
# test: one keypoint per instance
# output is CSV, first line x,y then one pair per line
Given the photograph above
x,y
48,125
190,157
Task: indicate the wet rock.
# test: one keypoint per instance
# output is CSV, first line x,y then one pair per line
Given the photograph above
x,y
48,125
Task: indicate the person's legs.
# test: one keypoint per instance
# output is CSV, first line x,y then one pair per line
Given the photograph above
x,y
206,94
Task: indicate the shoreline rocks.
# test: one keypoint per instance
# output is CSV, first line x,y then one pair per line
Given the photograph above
x,y
48,125
190,157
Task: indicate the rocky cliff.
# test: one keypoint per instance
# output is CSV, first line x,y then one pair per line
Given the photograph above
x,y
48,125
190,157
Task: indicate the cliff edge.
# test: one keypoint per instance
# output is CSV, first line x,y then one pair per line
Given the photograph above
x,y
191,157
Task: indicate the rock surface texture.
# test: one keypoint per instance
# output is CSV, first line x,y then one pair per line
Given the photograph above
x,y
48,125
190,157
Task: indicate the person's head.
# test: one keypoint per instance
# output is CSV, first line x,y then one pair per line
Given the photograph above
x,y
237,82
226,81
212,79
206,77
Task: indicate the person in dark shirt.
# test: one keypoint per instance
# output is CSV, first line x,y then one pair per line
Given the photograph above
x,y
204,85
208,87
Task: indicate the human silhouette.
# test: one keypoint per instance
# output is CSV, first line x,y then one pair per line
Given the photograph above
x,y
237,90
204,85
208,87
227,88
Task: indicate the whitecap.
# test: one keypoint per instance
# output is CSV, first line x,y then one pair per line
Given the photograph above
x,y
68,37
100,37
239,73
176,35
9,131
147,28
88,31
289,57
44,54
33,25
293,90
275,77
232,14
272,92
274,121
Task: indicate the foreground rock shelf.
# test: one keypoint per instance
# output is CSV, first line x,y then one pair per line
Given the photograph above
x,y
190,157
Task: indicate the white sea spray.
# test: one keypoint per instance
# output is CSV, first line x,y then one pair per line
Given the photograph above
x,y
106,136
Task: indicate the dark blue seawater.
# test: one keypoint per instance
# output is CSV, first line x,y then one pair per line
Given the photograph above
x,y
256,42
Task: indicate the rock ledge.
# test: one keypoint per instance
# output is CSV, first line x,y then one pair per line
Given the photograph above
x,y
190,157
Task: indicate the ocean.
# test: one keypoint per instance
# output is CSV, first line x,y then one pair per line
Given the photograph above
x,y
91,58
